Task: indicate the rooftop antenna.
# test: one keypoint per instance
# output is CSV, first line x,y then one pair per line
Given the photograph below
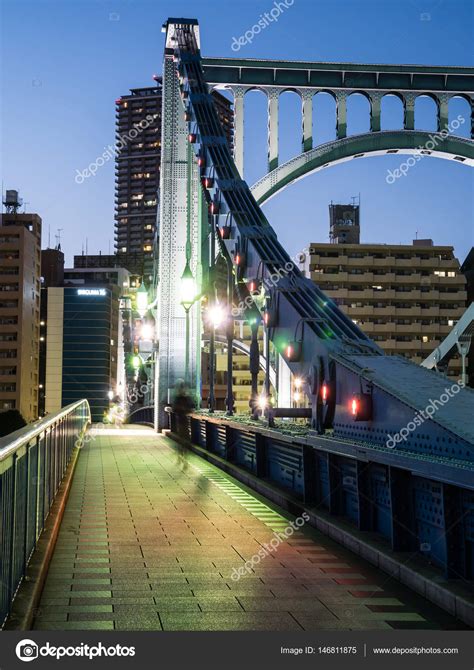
x,y
49,236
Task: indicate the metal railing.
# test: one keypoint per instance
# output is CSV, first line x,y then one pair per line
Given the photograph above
x,y
33,461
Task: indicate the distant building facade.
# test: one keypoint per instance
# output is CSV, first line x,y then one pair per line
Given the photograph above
x,y
80,352
20,249
137,172
52,267
405,297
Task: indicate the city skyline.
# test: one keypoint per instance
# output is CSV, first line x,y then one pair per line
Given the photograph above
x,y
58,79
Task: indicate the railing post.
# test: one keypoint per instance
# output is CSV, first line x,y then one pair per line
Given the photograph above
x,y
456,563
260,455
403,538
363,496
334,476
27,504
309,474
11,585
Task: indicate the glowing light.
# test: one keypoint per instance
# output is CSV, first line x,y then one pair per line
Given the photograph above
x,y
297,396
298,382
324,392
216,315
354,406
142,300
188,287
146,331
136,362
110,395
289,351
262,403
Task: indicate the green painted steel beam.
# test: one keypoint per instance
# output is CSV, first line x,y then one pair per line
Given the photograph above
x,y
370,144
251,72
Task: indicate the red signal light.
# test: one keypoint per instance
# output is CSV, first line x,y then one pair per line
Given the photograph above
x,y
225,232
360,407
192,137
293,351
201,161
207,182
214,207
354,407
325,392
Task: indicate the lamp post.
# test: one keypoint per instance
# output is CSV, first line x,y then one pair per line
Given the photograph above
x,y
188,298
142,300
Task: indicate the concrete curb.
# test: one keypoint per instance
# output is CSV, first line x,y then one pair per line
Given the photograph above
x,y
29,593
453,597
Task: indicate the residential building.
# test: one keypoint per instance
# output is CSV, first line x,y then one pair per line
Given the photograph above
x,y
137,172
20,249
405,297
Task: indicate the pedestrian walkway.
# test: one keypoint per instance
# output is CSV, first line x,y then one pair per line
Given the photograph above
x,y
151,538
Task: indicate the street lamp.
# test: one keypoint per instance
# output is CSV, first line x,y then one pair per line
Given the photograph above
x,y
142,300
188,298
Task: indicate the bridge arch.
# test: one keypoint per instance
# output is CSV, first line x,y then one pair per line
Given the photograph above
x,y
358,146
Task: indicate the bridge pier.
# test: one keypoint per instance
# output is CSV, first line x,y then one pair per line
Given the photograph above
x,y
239,93
307,118
341,112
375,107
409,112
443,114
273,96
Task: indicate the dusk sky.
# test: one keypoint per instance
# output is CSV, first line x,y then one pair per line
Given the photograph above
x,y
65,63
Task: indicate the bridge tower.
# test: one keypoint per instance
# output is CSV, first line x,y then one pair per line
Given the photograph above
x,y
181,234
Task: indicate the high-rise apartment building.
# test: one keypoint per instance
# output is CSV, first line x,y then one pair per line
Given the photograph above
x,y
137,172
20,258
405,297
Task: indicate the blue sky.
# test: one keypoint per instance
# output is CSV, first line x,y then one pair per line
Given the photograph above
x,y
66,61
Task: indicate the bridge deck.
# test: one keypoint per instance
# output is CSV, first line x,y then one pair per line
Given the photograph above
x,y
149,541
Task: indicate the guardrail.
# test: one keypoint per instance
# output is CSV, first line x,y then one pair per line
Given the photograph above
x,y
408,506
142,415
33,461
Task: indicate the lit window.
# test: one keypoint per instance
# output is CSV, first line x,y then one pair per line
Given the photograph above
x,y
450,322
440,273
425,338
123,249
451,274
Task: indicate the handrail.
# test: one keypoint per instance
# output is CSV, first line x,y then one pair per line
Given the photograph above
x,y
33,462
27,433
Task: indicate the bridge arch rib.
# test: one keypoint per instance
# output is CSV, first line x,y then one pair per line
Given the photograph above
x,y
401,142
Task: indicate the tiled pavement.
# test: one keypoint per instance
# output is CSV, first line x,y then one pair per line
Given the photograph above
x,y
149,542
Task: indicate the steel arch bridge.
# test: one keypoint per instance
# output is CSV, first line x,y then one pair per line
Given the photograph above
x,y
358,395
416,144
